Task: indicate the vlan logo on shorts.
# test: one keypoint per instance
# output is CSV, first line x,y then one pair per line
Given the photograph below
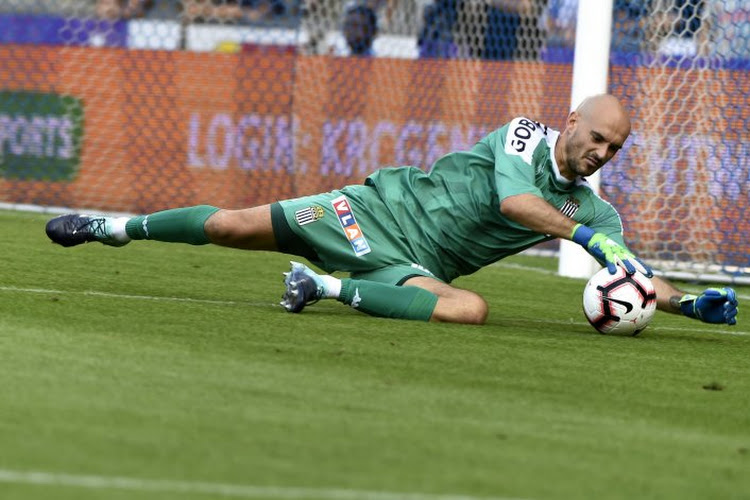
x,y
349,225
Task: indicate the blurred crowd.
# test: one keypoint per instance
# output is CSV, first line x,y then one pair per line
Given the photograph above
x,y
470,29
524,29
521,29
187,11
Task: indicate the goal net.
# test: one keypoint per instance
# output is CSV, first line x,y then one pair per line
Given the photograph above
x,y
681,184
140,105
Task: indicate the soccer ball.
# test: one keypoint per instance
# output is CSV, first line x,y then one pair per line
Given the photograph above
x,y
620,303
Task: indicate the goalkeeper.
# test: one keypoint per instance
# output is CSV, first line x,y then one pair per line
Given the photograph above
x,y
404,234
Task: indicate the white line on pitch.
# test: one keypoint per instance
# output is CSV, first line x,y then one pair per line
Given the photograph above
x,y
522,267
127,296
205,488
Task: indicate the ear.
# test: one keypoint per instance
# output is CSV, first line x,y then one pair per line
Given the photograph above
x,y
572,122
573,118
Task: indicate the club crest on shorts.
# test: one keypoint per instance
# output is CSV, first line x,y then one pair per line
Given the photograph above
x,y
349,224
308,215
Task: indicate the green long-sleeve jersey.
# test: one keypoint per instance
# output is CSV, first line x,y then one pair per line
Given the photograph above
x,y
451,214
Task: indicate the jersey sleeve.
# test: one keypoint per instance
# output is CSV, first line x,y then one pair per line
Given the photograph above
x,y
604,218
514,147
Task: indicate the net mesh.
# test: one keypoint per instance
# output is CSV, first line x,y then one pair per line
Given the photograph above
x,y
140,105
681,185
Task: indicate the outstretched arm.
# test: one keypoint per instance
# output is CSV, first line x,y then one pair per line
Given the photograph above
x,y
536,214
713,305
667,296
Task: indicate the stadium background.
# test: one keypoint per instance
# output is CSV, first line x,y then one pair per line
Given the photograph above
x,y
141,114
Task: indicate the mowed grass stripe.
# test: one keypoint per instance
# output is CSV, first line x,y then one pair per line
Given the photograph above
x,y
117,296
162,362
204,488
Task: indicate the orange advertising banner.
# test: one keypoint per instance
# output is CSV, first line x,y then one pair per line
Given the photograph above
x,y
163,129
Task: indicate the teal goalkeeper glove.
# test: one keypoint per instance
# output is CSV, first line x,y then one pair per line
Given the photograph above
x,y
714,305
608,251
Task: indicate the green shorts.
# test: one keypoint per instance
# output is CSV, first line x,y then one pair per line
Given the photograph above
x,y
349,230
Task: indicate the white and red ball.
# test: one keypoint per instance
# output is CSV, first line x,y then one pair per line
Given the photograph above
x,y
620,303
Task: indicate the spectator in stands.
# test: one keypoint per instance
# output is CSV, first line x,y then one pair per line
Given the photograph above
x,y
122,9
360,27
436,36
233,11
511,30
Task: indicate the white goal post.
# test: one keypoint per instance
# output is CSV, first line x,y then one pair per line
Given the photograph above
x,y
590,70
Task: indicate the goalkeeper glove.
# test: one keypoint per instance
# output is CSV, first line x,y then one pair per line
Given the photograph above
x,y
714,305
608,251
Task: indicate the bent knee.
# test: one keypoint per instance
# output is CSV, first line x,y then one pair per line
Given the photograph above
x,y
477,311
468,308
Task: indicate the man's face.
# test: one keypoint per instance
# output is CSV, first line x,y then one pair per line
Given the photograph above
x,y
359,32
592,142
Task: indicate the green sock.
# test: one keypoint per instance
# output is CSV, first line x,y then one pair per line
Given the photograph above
x,y
388,301
178,225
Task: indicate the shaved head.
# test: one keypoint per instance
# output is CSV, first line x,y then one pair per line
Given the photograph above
x,y
593,133
605,107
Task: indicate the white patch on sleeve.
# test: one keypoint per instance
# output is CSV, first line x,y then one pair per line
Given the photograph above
x,y
524,135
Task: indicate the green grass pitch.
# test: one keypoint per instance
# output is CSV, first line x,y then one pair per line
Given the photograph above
x,y
160,371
